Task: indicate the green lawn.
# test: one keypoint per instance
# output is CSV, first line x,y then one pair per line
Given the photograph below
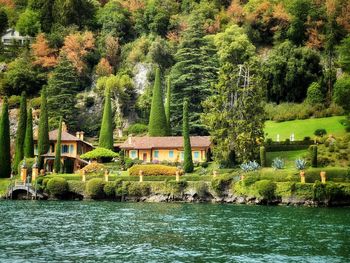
x,y
4,183
288,157
303,128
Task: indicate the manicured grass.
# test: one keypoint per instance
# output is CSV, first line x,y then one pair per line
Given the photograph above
x,y
289,157
304,128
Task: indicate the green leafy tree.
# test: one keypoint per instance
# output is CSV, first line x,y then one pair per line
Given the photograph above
x,y
106,132
342,92
235,113
344,54
157,120
21,131
28,23
43,139
314,94
44,9
168,105
289,70
115,20
57,162
5,155
192,75
61,94
28,141
299,10
188,162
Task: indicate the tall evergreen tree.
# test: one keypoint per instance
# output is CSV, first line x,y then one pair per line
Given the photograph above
x,y
167,106
157,119
57,162
192,76
5,155
43,139
28,141
106,132
61,94
188,162
21,131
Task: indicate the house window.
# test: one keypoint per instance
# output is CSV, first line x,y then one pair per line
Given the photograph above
x,y
196,155
71,148
65,149
133,154
181,156
156,154
171,154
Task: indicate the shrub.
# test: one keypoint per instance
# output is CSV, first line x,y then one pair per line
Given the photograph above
x,y
250,166
35,103
300,164
137,129
138,189
251,179
89,102
77,187
94,188
266,189
94,168
204,164
277,163
109,189
263,156
14,101
313,151
99,153
202,189
57,186
314,94
320,132
131,162
176,187
153,169
219,185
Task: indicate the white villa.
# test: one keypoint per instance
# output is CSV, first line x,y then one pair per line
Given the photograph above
x,y
12,35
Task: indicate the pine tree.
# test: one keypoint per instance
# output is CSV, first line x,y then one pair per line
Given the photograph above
x,y
57,162
5,155
21,131
167,106
43,139
157,120
188,163
28,141
61,94
192,76
106,132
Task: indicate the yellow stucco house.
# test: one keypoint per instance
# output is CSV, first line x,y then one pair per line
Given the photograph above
x,y
71,149
151,149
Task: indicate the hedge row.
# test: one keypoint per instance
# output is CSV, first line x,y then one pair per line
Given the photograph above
x,y
153,169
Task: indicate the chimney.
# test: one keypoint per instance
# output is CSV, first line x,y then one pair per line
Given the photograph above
x,y
64,127
129,139
77,134
81,136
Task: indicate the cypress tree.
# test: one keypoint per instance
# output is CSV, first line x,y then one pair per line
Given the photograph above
x,y
21,132
188,163
263,156
157,119
5,155
167,106
28,141
106,132
43,139
314,156
57,163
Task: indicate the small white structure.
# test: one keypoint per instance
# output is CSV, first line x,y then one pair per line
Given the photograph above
x,y
12,35
292,137
278,138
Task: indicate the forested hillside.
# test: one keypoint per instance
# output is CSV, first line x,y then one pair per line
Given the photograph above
x,y
219,54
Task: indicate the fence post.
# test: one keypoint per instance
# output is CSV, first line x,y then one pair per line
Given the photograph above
x,y
24,171
141,176
302,177
106,175
83,176
177,176
323,177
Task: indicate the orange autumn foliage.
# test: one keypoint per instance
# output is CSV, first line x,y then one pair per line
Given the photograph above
x,y
103,68
344,18
76,47
235,12
8,3
43,54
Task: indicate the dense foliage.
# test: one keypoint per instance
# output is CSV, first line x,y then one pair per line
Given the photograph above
x,y
99,153
5,155
152,169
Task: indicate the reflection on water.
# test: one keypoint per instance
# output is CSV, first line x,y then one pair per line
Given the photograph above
x,y
140,232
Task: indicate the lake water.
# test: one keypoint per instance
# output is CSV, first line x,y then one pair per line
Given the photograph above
x,y
49,231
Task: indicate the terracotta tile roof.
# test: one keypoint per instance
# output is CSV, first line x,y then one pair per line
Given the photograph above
x,y
67,137
164,142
